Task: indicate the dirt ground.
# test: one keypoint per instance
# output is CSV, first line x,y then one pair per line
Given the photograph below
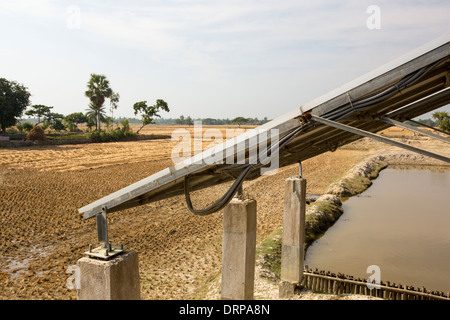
x,y
42,187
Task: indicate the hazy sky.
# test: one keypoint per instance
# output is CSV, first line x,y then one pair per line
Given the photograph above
x,y
217,59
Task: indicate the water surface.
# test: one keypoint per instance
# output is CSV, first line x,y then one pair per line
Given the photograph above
x,y
401,224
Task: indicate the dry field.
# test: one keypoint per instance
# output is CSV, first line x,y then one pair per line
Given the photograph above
x,y
41,235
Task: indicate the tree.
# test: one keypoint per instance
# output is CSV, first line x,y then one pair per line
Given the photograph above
x,y
189,121
74,119
58,125
125,125
114,100
98,91
90,123
442,120
239,121
14,99
148,113
109,123
39,111
96,115
180,120
54,121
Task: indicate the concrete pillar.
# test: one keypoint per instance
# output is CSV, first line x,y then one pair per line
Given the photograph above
x,y
293,243
238,250
114,279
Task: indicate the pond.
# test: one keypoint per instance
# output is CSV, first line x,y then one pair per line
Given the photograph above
x,y
400,224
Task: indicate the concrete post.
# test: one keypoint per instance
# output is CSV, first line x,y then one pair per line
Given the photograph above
x,y
238,250
114,279
293,243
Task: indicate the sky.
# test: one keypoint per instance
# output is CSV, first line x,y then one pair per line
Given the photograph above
x,y
216,59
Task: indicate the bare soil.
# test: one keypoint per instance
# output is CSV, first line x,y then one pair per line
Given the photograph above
x,y
42,187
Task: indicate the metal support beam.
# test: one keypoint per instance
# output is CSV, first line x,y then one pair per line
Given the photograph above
x,y
300,169
412,128
379,138
102,228
427,126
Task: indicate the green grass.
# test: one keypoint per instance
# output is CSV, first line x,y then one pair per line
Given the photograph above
x,y
69,137
317,224
114,135
270,252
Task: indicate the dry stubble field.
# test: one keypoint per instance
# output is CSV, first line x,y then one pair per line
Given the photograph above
x,y
42,187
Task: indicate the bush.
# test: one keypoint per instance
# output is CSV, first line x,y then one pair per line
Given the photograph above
x,y
36,134
58,126
114,135
26,126
19,127
125,125
45,125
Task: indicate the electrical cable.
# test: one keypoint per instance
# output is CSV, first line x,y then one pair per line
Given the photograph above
x,y
229,194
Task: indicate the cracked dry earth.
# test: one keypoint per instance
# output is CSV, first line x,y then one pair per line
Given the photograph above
x,y
42,236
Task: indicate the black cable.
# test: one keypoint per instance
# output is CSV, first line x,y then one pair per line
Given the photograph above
x,y
223,201
229,194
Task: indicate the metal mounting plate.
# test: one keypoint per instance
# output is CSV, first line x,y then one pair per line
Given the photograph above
x,y
104,253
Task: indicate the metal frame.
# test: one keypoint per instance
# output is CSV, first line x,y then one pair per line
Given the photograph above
x,y
379,138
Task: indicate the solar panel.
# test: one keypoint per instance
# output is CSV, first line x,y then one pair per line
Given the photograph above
x,y
409,86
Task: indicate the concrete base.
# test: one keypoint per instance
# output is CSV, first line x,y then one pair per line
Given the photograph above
x,y
286,290
238,250
293,242
114,279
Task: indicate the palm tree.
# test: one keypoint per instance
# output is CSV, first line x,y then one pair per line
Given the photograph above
x,y
96,114
98,91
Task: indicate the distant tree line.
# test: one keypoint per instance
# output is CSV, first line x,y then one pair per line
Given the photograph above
x,y
212,121
15,102
15,99
427,122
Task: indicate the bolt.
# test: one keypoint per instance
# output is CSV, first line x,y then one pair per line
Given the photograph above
x,y
106,252
90,248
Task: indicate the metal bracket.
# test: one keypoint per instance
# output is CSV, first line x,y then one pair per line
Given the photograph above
x,y
304,117
379,138
350,100
240,193
106,250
